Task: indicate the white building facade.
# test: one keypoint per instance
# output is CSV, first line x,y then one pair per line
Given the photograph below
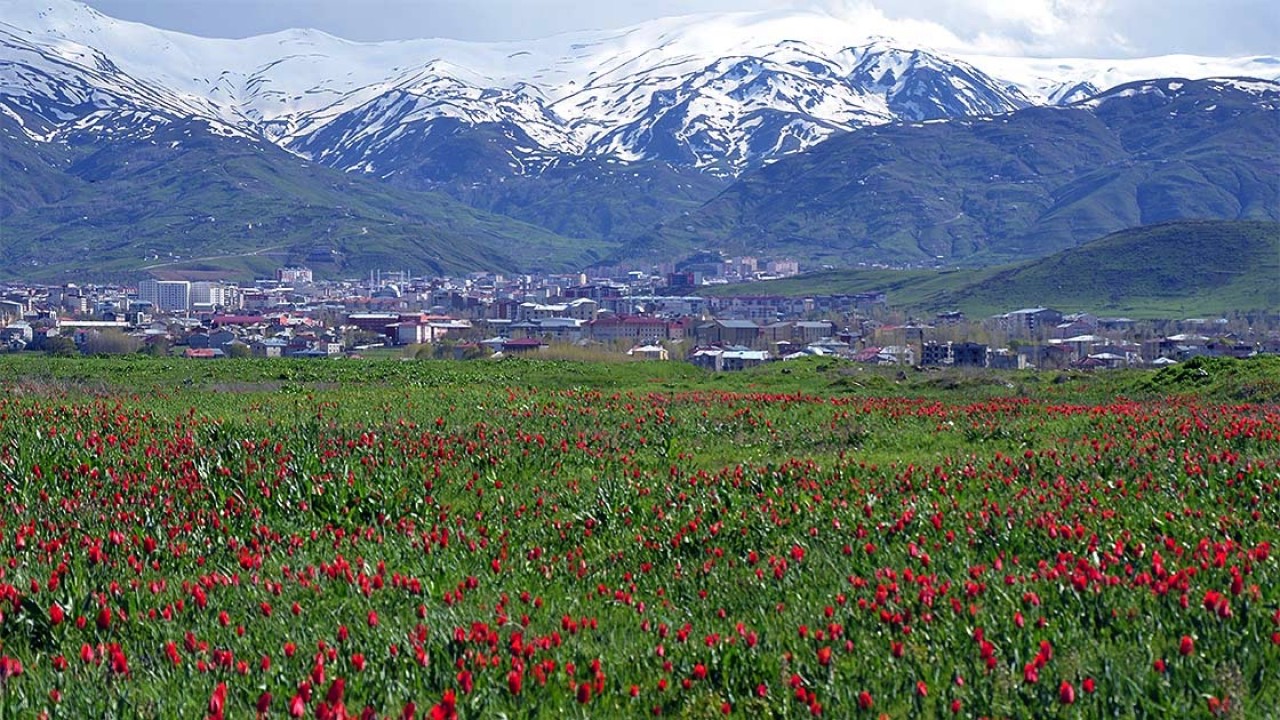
x,y
166,295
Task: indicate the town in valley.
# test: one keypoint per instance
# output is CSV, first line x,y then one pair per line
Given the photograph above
x,y
706,310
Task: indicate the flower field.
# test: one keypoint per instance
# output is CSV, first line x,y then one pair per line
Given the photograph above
x,y
504,543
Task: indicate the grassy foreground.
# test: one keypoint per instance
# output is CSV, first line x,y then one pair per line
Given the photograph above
x,y
530,539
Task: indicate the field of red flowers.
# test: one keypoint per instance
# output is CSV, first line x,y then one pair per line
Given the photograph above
x,y
489,549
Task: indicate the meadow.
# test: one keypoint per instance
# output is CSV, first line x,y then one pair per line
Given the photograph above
x,y
530,539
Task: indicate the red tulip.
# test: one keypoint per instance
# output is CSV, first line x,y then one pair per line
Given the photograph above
x,y
1066,693
515,681
1186,646
9,667
218,701
336,691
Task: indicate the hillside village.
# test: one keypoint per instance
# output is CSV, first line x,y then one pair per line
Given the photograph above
x,y
634,315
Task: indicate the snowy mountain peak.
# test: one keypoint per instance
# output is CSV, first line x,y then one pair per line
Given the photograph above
x,y
720,91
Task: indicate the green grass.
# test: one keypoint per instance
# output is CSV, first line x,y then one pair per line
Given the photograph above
x,y
413,527
1230,379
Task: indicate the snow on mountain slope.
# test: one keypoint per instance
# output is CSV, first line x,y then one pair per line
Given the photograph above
x,y
1048,79
1262,94
720,92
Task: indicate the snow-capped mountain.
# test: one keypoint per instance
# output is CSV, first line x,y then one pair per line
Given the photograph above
x,y
721,92
1003,187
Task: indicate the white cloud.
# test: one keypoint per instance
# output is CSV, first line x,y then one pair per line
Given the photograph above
x,y
1099,28
1006,27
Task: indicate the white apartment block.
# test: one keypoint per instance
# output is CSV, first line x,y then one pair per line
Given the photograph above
x,y
166,295
291,275
209,295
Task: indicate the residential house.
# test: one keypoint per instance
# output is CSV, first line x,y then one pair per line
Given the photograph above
x,y
612,327
969,354
16,334
649,352
897,355
381,323
1079,346
1029,321
728,359
728,332
1006,359
830,346
269,348
583,309
522,345
557,328
805,331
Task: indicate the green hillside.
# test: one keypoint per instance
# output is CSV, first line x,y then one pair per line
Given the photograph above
x,y
1167,270
185,199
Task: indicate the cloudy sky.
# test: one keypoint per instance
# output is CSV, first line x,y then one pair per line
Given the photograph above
x,y
1099,28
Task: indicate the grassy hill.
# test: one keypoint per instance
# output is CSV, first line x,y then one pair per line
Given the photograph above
x,y
1167,270
184,199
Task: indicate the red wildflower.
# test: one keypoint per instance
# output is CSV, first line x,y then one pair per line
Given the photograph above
x,y
9,667
447,708
336,690
1066,693
218,701
119,663
1186,646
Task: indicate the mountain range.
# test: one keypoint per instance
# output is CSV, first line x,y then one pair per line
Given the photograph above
x,y
1005,187
542,154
